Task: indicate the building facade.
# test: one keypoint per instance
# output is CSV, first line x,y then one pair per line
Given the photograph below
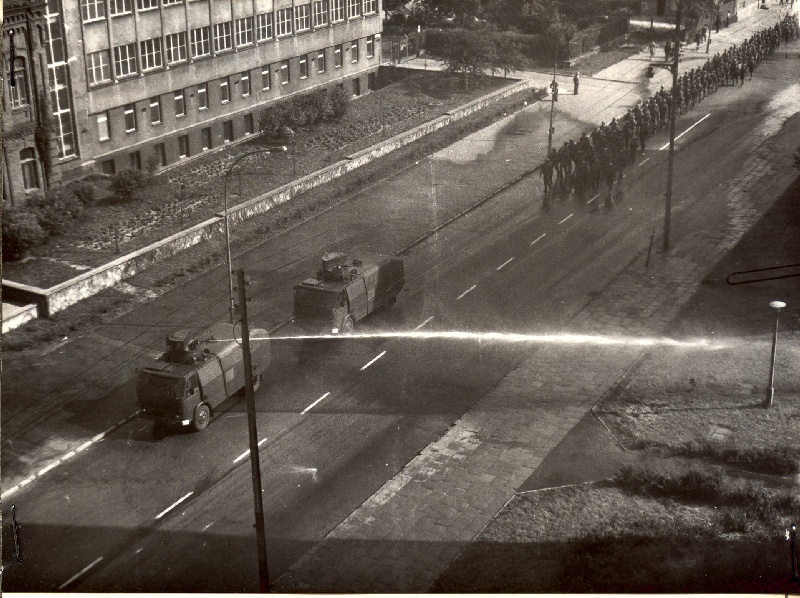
x,y
167,80
25,143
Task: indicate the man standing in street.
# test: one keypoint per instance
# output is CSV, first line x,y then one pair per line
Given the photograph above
x,y
576,80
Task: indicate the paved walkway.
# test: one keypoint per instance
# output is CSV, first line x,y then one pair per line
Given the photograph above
x,y
407,534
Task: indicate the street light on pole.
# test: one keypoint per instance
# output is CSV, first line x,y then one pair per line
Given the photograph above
x,y
675,99
554,87
232,303
777,305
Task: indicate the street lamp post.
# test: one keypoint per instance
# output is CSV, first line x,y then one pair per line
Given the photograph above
x,y
554,87
232,304
777,305
673,109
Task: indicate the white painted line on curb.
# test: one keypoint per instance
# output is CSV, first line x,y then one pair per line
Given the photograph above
x,y
505,263
423,324
539,238
467,291
382,353
565,219
307,409
643,161
173,505
686,131
64,458
79,573
591,200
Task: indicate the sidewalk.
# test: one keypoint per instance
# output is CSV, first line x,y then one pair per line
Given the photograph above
x,y
407,534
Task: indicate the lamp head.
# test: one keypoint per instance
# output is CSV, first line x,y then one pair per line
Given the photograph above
x,y
777,304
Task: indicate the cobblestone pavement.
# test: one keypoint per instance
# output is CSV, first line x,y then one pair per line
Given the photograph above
x,y
408,533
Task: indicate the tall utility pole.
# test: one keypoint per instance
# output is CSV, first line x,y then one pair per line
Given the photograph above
x,y
553,85
261,538
671,162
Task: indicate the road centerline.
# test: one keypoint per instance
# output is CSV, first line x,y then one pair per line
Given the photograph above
x,y
643,161
173,505
663,147
382,353
470,289
79,573
423,324
539,238
307,409
505,263
565,219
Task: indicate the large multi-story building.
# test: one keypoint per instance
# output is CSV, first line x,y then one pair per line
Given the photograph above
x,y
26,103
167,80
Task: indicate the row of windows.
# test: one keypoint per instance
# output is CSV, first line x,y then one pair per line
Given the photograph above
x,y
179,96
94,10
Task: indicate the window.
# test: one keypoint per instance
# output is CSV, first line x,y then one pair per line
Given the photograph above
x,y
302,17
249,124
264,26
353,9
171,2
200,42
27,161
19,92
370,46
180,104
224,91
285,72
183,146
284,19
320,13
135,159
370,7
304,67
202,96
244,31
103,132
150,50
175,46
372,81
356,86
146,4
160,149
354,50
155,111
266,78
337,14
222,37
125,60
92,10
205,138
227,131
321,61
98,67
245,84
130,118
120,7
337,56
107,167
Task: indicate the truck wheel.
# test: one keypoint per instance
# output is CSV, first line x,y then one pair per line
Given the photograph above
x,y
202,417
347,325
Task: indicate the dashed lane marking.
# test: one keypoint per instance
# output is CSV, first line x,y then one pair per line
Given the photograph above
x,y
382,353
247,452
643,161
591,200
173,505
79,573
469,290
565,219
64,458
307,409
505,263
539,238
423,324
663,147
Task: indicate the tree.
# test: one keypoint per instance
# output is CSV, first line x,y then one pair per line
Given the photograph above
x,y
21,231
509,57
469,52
464,12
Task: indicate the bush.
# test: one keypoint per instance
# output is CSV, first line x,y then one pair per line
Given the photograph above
x,y
128,183
57,209
21,231
307,109
85,191
153,163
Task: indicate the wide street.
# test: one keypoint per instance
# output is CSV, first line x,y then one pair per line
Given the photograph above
x,y
138,512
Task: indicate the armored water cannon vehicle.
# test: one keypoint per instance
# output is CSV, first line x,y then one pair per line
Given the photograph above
x,y
346,291
197,373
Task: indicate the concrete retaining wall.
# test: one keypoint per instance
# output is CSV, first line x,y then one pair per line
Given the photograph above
x,y
61,296
15,316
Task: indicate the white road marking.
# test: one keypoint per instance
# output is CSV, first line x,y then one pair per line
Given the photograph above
x,y
643,161
686,131
591,200
423,324
209,525
307,409
539,238
505,263
173,505
565,219
64,458
382,353
247,452
467,291
79,573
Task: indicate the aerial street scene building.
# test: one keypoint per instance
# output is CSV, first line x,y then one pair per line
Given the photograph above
x,y
358,296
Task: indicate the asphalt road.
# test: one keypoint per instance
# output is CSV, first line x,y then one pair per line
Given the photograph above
x,y
137,512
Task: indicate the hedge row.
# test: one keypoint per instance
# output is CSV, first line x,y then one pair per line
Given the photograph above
x,y
306,109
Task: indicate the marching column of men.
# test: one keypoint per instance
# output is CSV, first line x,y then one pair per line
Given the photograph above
x,y
603,155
